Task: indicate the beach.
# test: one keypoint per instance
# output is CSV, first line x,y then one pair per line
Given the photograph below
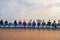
x,y
29,34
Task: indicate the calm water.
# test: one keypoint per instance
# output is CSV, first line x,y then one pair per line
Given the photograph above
x,y
29,34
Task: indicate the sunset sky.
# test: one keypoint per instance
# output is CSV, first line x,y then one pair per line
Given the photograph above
x,y
29,9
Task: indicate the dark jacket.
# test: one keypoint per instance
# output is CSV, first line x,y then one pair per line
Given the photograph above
x,y
48,23
15,23
1,22
6,22
43,24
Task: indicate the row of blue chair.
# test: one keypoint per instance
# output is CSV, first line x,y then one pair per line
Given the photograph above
x,y
27,24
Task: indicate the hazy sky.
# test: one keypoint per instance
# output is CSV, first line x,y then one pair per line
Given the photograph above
x,y
29,9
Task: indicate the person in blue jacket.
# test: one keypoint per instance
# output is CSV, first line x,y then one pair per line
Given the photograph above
x,y
48,24
33,24
15,23
54,24
38,23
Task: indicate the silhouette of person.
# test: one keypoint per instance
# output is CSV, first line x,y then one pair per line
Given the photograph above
x,y
43,23
49,23
38,23
24,23
1,23
54,24
6,22
15,23
33,23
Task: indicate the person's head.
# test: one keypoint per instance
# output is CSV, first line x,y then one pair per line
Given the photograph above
x,y
49,20
59,21
6,21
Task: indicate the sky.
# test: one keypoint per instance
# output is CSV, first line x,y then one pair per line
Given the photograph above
x,y
29,9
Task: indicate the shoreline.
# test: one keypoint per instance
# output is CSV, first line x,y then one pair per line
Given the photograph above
x,y
30,28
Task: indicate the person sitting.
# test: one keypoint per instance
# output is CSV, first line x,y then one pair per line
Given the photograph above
x,y
6,23
58,24
33,23
43,23
15,23
24,23
1,23
48,23
38,23
54,24
20,23
29,23
10,24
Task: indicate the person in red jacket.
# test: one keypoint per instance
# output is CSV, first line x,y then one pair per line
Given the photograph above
x,y
20,23
24,23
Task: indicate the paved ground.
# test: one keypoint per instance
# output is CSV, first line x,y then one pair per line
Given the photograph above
x,y
29,34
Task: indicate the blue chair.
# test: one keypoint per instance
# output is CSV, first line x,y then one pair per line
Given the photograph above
x,y
54,25
58,24
24,24
19,25
38,24
10,24
33,24
29,24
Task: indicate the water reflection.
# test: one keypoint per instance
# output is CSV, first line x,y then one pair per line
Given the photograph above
x,y
29,34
